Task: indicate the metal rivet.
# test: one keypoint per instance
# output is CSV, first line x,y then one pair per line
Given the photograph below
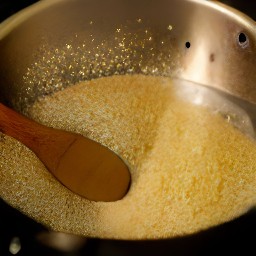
x,y
243,40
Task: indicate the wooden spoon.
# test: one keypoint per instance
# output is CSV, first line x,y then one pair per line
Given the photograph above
x,y
84,166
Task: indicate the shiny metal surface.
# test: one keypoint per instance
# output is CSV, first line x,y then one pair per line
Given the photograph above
x,y
55,44
19,51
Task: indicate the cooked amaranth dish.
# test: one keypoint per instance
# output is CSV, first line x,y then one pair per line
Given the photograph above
x,y
190,168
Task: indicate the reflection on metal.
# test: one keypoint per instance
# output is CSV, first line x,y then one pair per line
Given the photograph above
x,y
61,241
79,41
230,108
15,245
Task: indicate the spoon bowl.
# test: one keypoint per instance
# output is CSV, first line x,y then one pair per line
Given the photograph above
x,y
82,165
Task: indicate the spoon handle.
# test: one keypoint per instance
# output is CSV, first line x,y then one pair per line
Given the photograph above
x,y
82,165
17,126
37,137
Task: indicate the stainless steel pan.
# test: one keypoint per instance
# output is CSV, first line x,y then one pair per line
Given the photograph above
x,y
55,44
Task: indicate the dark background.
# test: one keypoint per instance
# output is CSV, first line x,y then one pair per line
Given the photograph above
x,y
234,238
9,7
